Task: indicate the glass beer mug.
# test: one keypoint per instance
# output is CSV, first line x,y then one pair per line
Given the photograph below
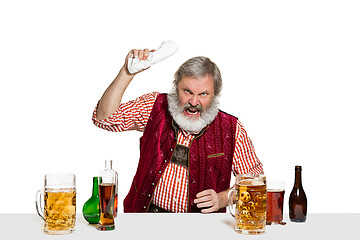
x,y
56,203
249,197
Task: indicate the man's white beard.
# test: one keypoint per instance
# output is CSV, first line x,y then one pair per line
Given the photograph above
x,y
190,124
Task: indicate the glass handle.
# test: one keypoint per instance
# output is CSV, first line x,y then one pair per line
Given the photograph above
x,y
38,203
231,202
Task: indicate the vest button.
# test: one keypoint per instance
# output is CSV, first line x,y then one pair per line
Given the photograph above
x,y
159,171
144,207
165,161
152,184
149,195
171,149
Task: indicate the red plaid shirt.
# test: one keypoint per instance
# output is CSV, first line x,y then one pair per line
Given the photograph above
x,y
171,191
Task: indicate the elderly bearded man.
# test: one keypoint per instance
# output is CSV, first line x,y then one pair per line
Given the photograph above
x,y
189,148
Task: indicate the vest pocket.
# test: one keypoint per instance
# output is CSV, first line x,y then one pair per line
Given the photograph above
x,y
215,155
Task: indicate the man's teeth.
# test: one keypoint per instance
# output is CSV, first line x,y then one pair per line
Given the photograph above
x,y
192,112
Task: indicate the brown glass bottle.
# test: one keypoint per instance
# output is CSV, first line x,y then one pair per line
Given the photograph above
x,y
297,199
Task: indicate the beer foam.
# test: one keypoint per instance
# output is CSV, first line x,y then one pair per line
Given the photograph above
x,y
59,189
275,190
251,182
256,182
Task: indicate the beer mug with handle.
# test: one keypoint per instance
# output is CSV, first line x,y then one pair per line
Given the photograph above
x,y
56,203
249,197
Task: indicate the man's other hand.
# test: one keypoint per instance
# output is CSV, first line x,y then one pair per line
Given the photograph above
x,y
209,200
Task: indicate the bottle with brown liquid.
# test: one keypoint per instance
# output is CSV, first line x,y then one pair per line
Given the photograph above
x,y
108,167
297,199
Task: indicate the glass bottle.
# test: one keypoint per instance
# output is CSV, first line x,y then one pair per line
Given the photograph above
x,y
297,199
107,200
91,208
108,167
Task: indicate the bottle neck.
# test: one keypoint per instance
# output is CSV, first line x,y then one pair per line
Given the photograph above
x,y
298,178
95,191
108,164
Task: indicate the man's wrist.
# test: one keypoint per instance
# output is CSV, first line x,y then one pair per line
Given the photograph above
x,y
223,199
125,73
124,76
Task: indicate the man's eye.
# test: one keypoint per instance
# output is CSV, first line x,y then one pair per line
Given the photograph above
x,y
203,94
187,91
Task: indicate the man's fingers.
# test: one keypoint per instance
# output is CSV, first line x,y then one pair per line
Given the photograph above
x,y
146,53
209,210
128,56
142,54
135,52
205,204
204,193
208,200
205,198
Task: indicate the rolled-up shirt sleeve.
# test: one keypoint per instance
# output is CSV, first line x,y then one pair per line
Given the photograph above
x,y
132,115
245,159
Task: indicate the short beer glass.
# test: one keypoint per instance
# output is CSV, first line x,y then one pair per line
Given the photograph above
x,y
275,202
56,203
249,197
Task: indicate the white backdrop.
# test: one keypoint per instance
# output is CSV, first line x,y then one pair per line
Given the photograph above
x,y
290,72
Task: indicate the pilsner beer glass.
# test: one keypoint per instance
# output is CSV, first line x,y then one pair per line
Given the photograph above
x,y
249,196
56,203
107,186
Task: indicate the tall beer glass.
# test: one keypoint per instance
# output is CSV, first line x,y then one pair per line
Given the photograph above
x,y
107,186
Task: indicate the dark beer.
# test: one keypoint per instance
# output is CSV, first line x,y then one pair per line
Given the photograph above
x,y
275,200
297,199
107,199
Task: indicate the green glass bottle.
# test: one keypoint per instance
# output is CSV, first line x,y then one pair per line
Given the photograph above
x,y
91,208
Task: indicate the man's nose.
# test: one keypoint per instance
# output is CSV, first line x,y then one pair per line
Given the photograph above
x,y
194,100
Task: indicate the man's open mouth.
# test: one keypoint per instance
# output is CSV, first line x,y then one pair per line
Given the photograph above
x,y
192,111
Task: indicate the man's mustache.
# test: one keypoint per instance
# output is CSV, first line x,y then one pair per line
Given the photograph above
x,y
197,107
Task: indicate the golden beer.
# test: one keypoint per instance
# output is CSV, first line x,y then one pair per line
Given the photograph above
x,y
249,197
251,207
59,210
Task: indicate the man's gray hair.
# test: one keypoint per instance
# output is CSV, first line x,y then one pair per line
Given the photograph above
x,y
200,67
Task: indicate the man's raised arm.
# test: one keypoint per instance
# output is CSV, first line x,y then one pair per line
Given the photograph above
x,y
112,96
